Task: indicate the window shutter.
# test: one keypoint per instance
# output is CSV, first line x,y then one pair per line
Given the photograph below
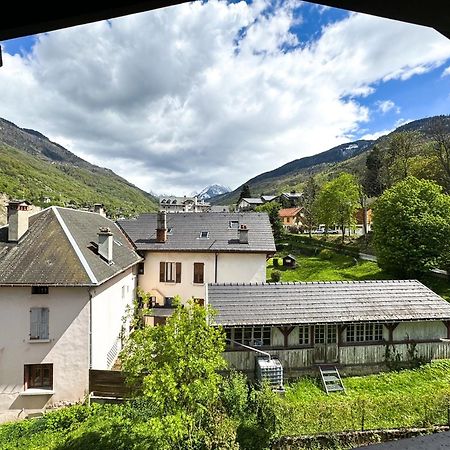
x,y
162,272
34,322
43,333
178,276
198,272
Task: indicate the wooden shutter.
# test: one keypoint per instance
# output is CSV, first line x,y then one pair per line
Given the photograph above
x,y
43,332
39,323
162,272
178,275
35,314
198,272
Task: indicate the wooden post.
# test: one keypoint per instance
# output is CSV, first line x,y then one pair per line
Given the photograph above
x,y
286,331
391,327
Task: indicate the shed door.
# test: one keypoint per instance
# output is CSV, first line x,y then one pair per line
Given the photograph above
x,y
325,344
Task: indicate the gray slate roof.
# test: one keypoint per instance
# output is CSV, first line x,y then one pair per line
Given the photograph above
x,y
325,302
186,229
47,256
253,200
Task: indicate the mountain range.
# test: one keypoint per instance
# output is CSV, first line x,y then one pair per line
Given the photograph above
x,y
34,168
212,191
350,157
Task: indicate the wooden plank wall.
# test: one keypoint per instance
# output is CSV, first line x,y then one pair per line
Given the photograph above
x,y
108,383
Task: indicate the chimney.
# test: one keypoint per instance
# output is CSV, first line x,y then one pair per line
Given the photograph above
x,y
105,244
243,234
18,212
99,209
161,227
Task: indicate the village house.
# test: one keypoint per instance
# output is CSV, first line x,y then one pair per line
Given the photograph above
x,y
173,204
249,203
291,217
291,199
184,252
357,326
66,280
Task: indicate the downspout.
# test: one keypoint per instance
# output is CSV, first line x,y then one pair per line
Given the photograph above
x,y
215,267
90,330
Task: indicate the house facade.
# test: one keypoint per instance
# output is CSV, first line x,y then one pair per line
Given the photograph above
x,y
184,252
66,280
173,204
291,217
357,326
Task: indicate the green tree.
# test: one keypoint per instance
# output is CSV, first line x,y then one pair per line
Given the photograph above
x,y
273,209
373,185
245,192
338,201
175,366
440,130
309,196
402,148
411,227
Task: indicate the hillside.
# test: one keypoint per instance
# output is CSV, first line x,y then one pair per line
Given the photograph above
x,y
33,167
349,157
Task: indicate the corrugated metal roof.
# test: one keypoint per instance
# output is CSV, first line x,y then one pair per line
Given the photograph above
x,y
186,229
56,253
325,302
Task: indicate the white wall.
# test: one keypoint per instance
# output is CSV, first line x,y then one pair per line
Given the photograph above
x,y
108,309
68,349
231,268
420,330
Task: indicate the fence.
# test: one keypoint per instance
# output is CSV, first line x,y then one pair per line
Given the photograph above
x,y
107,383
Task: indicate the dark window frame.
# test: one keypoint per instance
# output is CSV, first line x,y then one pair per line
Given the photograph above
x,y
39,290
38,376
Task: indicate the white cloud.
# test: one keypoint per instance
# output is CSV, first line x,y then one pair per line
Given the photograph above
x,y
385,106
182,97
376,135
446,72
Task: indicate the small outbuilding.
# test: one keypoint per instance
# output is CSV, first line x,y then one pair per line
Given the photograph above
x,y
289,261
358,326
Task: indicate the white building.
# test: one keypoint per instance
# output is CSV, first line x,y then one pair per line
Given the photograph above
x,y
173,204
184,252
66,278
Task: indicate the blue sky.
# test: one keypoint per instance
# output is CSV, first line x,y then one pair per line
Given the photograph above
x,y
216,92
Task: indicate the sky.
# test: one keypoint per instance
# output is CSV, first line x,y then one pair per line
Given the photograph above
x,y
218,92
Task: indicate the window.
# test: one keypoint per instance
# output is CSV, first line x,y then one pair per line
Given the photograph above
x,y
319,334
253,336
233,224
199,270
365,332
170,272
39,289
38,376
303,334
141,268
204,234
39,323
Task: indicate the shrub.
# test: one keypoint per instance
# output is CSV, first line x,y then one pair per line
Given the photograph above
x,y
275,276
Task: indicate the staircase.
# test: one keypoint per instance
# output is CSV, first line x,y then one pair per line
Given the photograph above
x,y
331,379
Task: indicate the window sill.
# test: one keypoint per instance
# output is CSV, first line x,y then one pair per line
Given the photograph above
x,y
38,341
198,284
36,391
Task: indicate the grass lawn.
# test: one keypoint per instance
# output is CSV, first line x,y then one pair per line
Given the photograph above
x,y
418,397
345,268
